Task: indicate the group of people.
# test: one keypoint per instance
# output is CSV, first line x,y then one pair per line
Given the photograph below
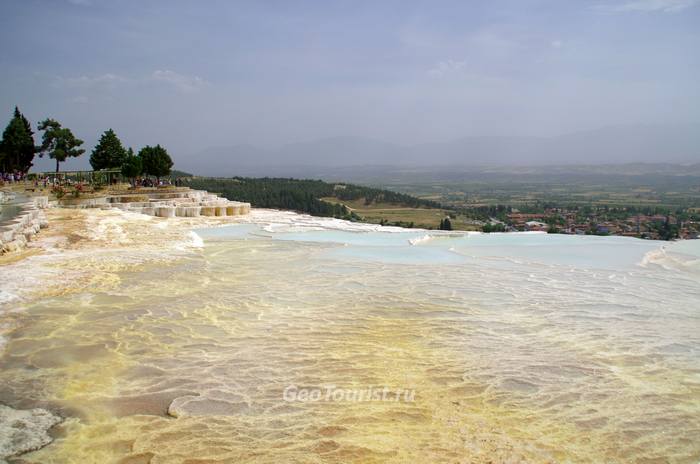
x,y
149,182
36,181
48,180
12,177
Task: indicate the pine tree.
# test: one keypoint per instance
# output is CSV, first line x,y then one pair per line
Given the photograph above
x,y
155,161
17,147
58,142
108,153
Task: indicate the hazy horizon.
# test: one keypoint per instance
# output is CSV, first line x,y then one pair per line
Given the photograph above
x,y
194,77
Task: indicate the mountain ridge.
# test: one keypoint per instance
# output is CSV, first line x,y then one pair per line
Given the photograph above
x,y
608,145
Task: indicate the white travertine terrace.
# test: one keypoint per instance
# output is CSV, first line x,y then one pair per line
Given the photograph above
x,y
180,203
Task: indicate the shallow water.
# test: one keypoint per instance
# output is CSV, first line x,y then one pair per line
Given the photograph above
x,y
518,347
11,208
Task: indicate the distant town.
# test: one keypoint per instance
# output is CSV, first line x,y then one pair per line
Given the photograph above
x,y
578,222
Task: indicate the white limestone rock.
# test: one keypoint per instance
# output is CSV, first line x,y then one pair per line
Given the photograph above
x,y
190,405
165,211
24,430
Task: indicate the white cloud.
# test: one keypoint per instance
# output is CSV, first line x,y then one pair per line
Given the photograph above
x,y
89,81
666,6
109,81
180,81
447,67
556,44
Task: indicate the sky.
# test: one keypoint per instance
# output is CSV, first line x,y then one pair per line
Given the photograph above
x,y
191,75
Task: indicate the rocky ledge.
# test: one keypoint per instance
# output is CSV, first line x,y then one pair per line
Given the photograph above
x,y
16,231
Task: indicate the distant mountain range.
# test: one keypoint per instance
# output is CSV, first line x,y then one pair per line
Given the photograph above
x,y
610,145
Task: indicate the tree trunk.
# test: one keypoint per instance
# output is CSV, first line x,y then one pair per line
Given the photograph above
x,y
57,165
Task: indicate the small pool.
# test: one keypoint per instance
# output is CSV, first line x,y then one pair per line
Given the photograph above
x,y
12,208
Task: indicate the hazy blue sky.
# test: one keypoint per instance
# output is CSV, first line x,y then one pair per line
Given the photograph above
x,y
190,74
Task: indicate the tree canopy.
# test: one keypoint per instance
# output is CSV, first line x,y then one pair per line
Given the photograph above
x,y
131,168
155,161
59,142
304,195
108,153
17,147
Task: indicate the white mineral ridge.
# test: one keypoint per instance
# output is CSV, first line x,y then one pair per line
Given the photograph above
x,y
24,430
190,405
